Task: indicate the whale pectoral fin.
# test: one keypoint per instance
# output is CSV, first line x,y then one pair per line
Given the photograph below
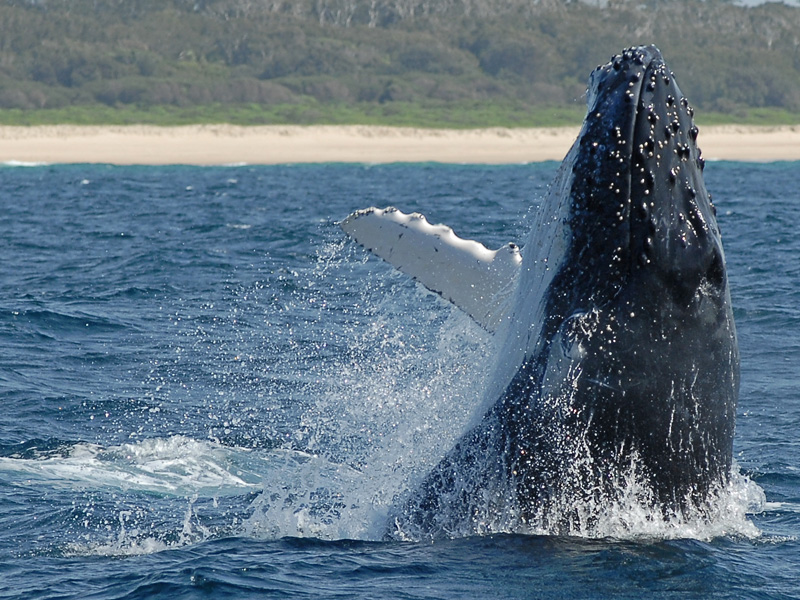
x,y
477,280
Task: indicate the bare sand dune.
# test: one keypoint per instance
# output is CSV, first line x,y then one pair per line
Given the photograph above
x,y
228,144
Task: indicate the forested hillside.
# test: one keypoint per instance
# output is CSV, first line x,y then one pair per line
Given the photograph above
x,y
318,60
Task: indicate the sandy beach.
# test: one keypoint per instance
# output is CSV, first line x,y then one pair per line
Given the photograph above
x,y
228,144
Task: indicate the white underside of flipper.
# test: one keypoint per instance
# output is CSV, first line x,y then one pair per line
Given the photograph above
x,y
479,281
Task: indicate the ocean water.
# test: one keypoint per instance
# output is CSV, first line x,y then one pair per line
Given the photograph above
x,y
206,390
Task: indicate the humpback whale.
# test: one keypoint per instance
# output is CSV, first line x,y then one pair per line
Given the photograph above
x,y
617,367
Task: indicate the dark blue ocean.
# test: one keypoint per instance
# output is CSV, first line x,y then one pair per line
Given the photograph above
x,y
206,391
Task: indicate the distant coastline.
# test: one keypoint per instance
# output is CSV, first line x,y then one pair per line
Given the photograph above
x,y
279,144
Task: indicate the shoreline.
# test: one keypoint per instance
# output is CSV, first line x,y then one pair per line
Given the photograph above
x,y
204,145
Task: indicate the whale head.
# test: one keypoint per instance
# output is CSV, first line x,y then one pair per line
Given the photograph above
x,y
638,198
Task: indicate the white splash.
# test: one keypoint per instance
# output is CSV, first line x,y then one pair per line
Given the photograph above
x,y
174,466
379,423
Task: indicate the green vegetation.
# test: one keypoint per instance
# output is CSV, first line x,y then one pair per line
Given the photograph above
x,y
442,63
751,116
402,114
